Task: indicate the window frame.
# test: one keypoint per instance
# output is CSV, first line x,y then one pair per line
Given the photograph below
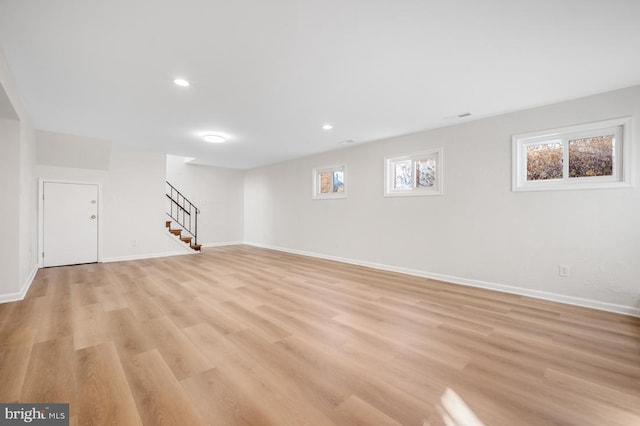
x,y
621,173
390,162
317,171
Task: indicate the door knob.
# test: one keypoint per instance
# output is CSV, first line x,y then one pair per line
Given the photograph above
x,y
93,216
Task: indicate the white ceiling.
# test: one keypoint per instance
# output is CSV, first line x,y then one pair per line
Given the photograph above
x,y
271,73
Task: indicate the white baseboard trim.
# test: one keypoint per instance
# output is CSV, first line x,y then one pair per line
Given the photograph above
x,y
16,297
146,256
186,251
231,243
553,297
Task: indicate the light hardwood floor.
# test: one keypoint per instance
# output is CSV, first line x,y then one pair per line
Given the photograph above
x,y
240,335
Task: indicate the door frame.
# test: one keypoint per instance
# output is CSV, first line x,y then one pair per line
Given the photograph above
x,y
41,182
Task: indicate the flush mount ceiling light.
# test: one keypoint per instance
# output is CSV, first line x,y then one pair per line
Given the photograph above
x,y
181,82
327,127
213,138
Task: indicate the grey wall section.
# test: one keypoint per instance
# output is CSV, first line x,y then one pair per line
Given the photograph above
x,y
9,208
479,231
63,150
218,193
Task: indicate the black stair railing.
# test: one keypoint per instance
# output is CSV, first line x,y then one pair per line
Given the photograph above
x,y
183,211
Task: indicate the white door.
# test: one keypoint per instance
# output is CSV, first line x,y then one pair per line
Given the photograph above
x,y
70,223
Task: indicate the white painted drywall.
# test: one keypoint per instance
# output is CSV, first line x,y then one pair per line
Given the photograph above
x,y
9,207
218,193
63,150
479,230
28,239
6,107
19,204
133,215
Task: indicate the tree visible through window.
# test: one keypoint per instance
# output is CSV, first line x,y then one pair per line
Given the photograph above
x,y
590,155
426,173
544,161
419,173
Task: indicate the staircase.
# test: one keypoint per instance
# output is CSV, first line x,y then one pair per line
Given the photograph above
x,y
185,215
178,233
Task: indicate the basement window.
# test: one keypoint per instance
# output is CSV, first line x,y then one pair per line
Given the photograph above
x,y
419,173
329,182
587,156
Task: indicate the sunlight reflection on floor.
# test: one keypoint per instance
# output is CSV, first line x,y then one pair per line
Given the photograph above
x,y
455,412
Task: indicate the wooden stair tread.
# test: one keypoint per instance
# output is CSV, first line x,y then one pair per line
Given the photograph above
x,y
178,233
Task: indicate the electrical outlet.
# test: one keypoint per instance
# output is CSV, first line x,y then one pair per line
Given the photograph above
x,y
134,243
563,270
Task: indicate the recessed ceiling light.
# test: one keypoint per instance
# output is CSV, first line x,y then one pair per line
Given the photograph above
x,y
213,138
327,127
181,82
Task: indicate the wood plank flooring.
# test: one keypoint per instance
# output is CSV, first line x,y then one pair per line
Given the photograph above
x,y
246,336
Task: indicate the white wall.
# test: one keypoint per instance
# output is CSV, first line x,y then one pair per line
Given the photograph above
x,y
9,209
19,204
28,239
479,232
133,215
63,150
218,193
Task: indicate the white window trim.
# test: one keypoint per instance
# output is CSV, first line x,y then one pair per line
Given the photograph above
x,y
389,191
317,195
622,167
